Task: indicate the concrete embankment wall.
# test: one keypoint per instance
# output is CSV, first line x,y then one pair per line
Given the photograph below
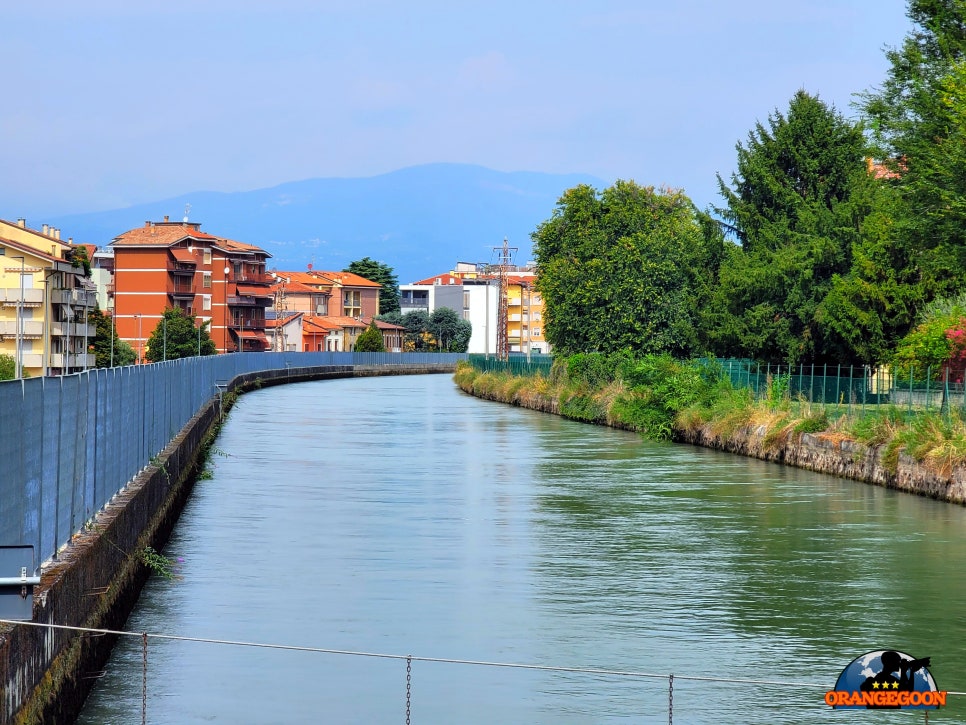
x,y
831,454
45,673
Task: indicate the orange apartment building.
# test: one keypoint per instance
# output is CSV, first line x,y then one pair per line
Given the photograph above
x,y
212,279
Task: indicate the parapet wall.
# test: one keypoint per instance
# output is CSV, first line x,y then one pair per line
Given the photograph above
x,y
46,674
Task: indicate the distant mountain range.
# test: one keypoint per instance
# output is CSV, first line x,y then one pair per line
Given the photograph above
x,y
419,220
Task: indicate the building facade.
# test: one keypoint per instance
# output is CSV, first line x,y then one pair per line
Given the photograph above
x,y
211,279
45,301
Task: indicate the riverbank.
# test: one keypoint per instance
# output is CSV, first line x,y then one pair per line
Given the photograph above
x,y
805,438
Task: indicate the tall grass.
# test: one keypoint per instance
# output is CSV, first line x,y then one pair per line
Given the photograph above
x,y
663,398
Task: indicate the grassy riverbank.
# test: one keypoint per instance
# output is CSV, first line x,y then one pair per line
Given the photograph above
x,y
666,399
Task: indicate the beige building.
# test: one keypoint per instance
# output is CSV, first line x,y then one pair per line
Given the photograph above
x,y
44,302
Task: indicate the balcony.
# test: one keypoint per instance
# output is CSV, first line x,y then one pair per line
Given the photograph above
x,y
31,297
77,297
181,290
73,360
251,278
32,329
181,269
73,329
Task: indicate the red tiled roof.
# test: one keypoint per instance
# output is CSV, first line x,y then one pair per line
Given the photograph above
x,y
323,324
444,279
323,278
161,234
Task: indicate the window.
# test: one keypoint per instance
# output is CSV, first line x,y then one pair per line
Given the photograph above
x,y
206,280
205,302
352,303
207,257
535,332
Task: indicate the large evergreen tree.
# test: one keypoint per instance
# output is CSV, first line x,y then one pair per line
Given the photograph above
x,y
917,119
384,275
796,206
618,270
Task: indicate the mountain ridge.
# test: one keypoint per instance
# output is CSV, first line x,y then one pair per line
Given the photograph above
x,y
420,220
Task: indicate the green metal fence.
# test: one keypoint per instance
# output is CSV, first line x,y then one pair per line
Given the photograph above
x,y
515,364
850,387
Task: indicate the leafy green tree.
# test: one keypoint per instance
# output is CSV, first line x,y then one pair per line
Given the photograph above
x,y
619,270
917,118
8,367
796,205
450,331
370,340
416,323
384,275
108,347
177,336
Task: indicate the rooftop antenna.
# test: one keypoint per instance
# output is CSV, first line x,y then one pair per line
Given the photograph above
x,y
187,209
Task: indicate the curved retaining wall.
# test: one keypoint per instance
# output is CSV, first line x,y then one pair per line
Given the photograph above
x,y
46,674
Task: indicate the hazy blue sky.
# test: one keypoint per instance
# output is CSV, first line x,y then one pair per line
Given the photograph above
x,y
112,102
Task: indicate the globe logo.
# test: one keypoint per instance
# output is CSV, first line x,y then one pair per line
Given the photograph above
x,y
886,680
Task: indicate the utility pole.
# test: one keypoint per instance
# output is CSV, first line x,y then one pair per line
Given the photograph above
x,y
502,327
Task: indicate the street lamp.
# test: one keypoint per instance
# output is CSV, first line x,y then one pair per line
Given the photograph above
x,y
138,315
19,324
227,270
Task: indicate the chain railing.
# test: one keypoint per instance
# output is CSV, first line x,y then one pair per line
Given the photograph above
x,y
750,683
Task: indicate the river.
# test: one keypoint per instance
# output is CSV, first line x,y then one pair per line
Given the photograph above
x,y
399,516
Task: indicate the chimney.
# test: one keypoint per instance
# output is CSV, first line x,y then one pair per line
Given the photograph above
x,y
147,224
45,229
22,223
70,240
165,218
57,234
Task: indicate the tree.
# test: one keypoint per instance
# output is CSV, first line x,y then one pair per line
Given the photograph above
x,y
618,270
450,331
796,206
177,336
370,340
8,367
917,119
108,347
416,323
383,274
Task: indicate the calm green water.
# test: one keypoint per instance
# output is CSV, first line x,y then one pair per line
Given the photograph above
x,y
400,516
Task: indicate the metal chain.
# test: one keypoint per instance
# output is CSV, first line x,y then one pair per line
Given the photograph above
x,y
409,684
670,699
144,678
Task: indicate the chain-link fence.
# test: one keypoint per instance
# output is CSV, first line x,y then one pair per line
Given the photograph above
x,y
70,443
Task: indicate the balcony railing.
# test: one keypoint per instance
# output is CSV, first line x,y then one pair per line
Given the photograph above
x,y
10,296
182,290
32,329
73,329
78,297
250,278
180,268
74,360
